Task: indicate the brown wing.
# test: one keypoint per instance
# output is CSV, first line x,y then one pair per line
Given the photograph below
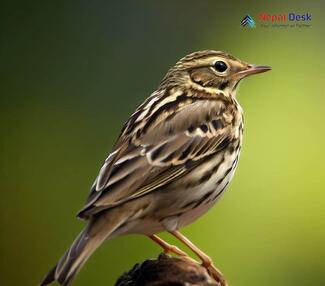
x,y
166,151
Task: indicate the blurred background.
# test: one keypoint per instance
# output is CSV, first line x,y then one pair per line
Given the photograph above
x,y
71,74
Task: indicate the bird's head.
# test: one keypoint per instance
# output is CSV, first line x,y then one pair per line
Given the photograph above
x,y
212,69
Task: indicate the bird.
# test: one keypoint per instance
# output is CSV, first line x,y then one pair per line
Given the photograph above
x,y
173,160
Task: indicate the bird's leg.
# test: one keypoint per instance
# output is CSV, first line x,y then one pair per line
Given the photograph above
x,y
206,260
168,248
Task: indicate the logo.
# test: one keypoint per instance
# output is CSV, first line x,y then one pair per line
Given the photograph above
x,y
279,20
248,21
284,17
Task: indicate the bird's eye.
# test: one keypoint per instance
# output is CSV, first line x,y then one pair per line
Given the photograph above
x,y
220,66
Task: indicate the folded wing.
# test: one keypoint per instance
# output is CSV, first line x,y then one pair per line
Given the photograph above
x,y
166,151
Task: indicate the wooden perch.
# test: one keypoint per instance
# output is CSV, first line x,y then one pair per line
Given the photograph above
x,y
166,271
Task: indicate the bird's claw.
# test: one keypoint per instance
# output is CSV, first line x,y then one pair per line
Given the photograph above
x,y
216,274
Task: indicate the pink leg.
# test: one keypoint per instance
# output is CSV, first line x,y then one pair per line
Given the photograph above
x,y
206,260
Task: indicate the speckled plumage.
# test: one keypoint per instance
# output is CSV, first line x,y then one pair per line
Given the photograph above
x,y
173,160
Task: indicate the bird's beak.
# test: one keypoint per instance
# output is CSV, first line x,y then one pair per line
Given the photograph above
x,y
251,69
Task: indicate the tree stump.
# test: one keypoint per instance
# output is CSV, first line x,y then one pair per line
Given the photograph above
x,y
166,271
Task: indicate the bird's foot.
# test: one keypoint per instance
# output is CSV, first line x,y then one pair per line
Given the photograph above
x,y
214,272
207,262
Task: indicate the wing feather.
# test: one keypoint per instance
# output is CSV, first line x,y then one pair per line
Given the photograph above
x,y
137,168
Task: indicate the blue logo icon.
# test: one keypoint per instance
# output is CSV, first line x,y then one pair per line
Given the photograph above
x,y
248,21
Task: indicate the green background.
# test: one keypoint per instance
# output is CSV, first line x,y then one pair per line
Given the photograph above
x,y
71,74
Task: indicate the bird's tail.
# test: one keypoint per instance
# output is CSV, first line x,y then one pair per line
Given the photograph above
x,y
78,253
